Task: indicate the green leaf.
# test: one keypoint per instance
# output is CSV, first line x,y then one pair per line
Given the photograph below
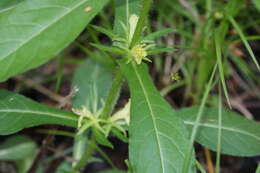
x,y
24,165
35,31
112,49
124,9
158,138
220,63
13,145
23,145
258,168
64,167
244,40
159,33
6,7
105,31
18,112
8,4
119,135
257,4
102,139
93,82
240,136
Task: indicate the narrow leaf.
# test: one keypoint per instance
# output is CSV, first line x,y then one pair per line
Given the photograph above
x,y
158,138
36,30
108,48
18,112
220,65
239,136
105,31
159,33
243,38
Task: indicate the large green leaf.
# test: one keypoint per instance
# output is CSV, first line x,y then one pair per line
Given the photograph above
x,y
93,82
240,136
23,145
17,144
34,31
7,4
158,138
18,112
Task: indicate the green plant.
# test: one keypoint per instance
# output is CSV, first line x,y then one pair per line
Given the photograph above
x,y
22,145
161,138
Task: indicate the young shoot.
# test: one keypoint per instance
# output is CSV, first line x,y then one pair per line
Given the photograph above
x,y
122,44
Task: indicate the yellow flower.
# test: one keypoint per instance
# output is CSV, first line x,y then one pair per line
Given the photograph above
x,y
175,77
139,53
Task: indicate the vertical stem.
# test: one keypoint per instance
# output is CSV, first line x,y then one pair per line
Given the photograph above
x,y
59,74
86,155
220,65
79,146
209,7
209,160
112,95
219,132
195,128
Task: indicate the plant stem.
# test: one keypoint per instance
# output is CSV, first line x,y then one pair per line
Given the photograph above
x,y
209,160
195,128
208,7
79,146
200,167
219,133
87,154
56,132
220,65
171,87
113,95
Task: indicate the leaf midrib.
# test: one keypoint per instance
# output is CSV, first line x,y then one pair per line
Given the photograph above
x,y
223,128
44,28
152,115
37,112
